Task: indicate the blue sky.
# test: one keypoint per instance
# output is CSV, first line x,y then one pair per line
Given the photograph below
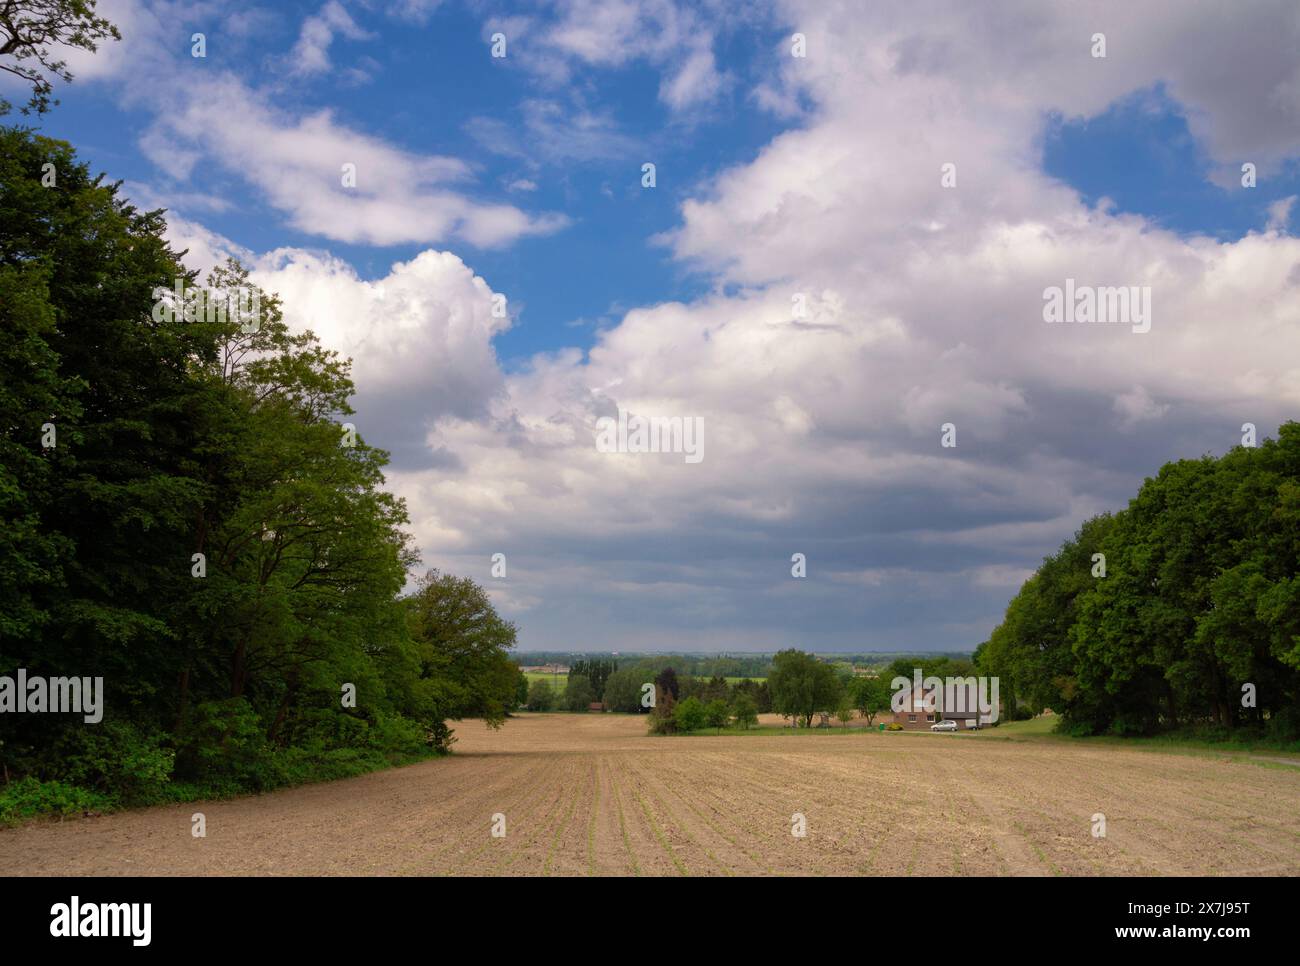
x,y
781,180
440,89
1141,155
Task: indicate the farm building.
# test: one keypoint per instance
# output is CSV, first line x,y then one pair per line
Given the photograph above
x,y
923,708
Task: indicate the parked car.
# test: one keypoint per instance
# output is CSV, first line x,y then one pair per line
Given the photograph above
x,y
944,726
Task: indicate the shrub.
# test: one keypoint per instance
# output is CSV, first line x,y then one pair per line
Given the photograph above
x,y
1284,725
690,715
541,696
663,719
578,693
224,745
30,798
717,714
118,761
744,711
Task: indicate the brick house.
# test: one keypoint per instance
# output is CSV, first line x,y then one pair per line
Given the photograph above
x,y
915,715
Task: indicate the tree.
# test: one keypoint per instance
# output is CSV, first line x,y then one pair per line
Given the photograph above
x,y
623,690
521,690
663,719
104,412
183,514
463,645
541,696
802,686
717,714
666,682
870,696
1160,615
597,672
845,710
715,689
578,693
744,711
29,29
690,715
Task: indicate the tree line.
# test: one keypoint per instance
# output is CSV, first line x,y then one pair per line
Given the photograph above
x,y
1180,611
799,687
185,513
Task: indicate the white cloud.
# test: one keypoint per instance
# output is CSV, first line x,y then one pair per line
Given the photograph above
x,y
420,337
311,54
297,163
1137,407
1279,213
924,306
215,122
675,38
697,81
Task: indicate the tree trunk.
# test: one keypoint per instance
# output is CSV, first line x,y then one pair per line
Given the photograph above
x,y
237,668
184,700
281,713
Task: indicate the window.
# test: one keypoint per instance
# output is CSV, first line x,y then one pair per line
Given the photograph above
x,y
911,717
929,717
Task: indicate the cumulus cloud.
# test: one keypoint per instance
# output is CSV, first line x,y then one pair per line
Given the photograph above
x,y
858,305
922,305
216,124
420,337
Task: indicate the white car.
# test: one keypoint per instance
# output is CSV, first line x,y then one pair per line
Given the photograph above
x,y
944,726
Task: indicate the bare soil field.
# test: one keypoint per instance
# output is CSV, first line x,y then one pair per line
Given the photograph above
x,y
594,795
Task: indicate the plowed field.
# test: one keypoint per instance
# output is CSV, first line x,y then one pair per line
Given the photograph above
x,y
592,794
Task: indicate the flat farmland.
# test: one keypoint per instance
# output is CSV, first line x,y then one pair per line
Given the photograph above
x,y
593,795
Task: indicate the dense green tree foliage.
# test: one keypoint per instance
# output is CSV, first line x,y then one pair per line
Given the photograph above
x,y
1182,609
802,686
666,683
623,689
744,711
184,513
870,696
690,715
596,671
578,693
541,696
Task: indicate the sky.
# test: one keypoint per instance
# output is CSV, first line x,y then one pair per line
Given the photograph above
x,y
857,210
